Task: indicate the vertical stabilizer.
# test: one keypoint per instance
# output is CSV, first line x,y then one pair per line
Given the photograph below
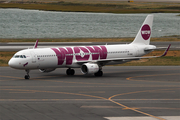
x,y
144,34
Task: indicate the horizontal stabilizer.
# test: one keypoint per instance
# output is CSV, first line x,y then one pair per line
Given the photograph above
x,y
157,48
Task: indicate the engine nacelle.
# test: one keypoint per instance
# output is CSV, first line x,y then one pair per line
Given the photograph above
x,y
47,70
89,68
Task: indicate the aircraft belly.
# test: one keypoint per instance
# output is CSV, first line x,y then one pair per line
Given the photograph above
x,y
117,62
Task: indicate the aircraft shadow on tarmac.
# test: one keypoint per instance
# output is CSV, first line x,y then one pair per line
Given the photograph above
x,y
112,75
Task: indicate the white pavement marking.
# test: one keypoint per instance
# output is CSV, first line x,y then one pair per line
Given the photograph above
x,y
144,118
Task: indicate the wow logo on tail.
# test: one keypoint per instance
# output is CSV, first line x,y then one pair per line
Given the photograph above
x,y
146,32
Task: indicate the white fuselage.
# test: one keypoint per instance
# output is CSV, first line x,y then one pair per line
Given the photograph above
x,y
58,57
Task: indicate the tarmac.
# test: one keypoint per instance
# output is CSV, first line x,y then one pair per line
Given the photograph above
x,y
122,93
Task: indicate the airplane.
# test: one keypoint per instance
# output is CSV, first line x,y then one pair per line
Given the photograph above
x,y
90,59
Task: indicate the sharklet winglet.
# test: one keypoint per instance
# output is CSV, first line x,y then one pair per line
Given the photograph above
x,y
35,45
166,51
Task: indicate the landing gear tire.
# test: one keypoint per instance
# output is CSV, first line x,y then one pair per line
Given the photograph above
x,y
98,74
70,71
26,77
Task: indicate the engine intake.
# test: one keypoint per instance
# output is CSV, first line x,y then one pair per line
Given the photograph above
x,y
89,68
47,70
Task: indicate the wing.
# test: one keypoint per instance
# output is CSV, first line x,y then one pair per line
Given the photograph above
x,y
123,59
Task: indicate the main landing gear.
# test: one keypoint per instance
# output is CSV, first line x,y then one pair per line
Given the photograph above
x,y
70,71
27,76
99,73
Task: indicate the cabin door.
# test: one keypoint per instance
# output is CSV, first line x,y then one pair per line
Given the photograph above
x,y
34,57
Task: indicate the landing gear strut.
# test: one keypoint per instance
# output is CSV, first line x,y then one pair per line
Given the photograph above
x,y
99,73
27,76
70,71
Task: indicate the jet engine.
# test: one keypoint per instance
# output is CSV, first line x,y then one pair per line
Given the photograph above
x,y
47,70
89,68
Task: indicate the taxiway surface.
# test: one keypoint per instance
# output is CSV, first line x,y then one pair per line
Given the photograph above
x,y
124,92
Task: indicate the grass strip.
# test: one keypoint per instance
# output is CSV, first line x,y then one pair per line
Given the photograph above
x,y
5,57
121,7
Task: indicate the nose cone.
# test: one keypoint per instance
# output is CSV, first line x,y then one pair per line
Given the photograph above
x,y
12,63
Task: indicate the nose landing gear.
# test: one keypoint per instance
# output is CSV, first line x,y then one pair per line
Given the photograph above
x,y
27,76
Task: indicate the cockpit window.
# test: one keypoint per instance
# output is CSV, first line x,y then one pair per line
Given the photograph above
x,y
19,56
16,56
